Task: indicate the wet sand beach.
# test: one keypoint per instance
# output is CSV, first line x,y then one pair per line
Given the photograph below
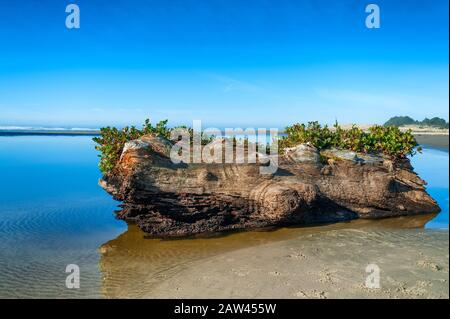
x,y
322,265
311,262
439,141
43,229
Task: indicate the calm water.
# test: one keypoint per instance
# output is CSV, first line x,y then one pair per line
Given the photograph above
x,y
52,213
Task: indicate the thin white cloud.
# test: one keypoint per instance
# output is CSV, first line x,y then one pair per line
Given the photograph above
x,y
230,84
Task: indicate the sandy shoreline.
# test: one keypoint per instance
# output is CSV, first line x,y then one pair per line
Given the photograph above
x,y
331,265
415,129
437,141
306,262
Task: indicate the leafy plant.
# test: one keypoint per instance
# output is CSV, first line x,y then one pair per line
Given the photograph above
x,y
111,141
389,140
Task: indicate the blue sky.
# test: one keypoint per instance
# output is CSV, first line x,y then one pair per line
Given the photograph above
x,y
225,62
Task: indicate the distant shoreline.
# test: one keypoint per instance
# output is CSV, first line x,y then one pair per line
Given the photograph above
x,y
439,141
434,138
53,133
415,131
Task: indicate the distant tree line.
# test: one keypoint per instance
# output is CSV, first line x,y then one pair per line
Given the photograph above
x,y
406,120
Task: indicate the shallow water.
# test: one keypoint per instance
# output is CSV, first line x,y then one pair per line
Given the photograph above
x,y
432,166
52,213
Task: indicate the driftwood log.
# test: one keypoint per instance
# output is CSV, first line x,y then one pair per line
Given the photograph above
x,y
170,200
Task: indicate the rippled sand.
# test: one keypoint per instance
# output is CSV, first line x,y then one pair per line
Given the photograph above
x,y
311,262
38,242
52,213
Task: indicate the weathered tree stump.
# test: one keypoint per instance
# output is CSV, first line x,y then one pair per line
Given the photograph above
x,y
170,200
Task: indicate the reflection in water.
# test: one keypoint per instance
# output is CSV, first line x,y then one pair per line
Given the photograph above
x,y
52,213
133,265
